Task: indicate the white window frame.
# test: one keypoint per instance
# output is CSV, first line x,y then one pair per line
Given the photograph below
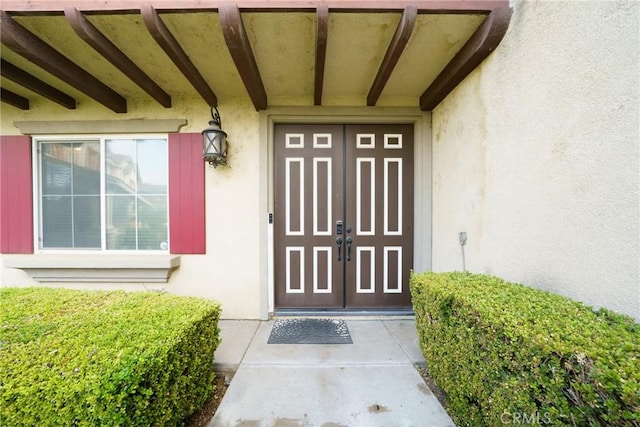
x,y
36,192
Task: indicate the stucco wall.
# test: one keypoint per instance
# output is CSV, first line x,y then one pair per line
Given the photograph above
x,y
230,271
236,269
536,156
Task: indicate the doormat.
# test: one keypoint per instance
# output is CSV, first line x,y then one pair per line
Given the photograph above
x,y
310,331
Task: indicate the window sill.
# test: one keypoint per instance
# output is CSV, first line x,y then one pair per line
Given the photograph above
x,y
95,268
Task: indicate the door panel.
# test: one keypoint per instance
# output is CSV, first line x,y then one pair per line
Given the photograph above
x,y
379,172
358,176
309,200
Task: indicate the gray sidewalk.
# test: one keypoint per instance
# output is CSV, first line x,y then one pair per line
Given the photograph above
x,y
372,382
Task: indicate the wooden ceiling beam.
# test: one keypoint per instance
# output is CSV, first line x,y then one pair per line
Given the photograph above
x,y
94,38
36,85
396,47
240,49
14,99
322,21
176,53
24,43
129,6
485,39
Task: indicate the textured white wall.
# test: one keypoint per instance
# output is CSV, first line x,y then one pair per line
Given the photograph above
x,y
235,269
230,270
536,156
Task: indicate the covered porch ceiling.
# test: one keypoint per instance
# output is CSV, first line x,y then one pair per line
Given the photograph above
x,y
275,52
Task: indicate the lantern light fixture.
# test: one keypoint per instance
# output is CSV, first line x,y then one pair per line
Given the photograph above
x,y
214,141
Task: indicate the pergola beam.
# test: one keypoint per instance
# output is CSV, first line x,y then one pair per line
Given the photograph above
x,y
423,6
14,99
98,41
21,77
322,20
485,39
176,53
18,38
240,49
396,47
24,43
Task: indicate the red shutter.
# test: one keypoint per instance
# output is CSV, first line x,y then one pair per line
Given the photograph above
x,y
186,194
16,199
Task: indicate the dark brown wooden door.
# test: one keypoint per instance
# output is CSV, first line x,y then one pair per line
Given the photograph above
x,y
343,215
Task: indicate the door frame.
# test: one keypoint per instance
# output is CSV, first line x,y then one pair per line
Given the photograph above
x,y
342,115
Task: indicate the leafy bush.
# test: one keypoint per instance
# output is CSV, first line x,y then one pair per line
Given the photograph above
x,y
104,358
509,354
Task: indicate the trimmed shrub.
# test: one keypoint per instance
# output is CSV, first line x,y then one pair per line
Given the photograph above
x,y
85,358
505,353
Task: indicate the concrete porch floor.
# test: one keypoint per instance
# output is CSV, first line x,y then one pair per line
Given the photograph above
x,y
372,382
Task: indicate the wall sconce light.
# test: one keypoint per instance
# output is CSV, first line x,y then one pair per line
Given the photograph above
x,y
214,141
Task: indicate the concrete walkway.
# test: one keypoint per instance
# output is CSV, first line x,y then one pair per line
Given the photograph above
x,y
372,382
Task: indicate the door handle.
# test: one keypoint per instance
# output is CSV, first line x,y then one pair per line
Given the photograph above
x,y
339,243
348,241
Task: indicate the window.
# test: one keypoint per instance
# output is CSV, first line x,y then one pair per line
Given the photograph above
x,y
21,190
102,193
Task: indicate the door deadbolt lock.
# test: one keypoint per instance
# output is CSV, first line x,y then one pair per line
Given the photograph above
x,y
338,227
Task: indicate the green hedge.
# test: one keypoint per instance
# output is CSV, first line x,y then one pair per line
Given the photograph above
x,y
104,358
509,354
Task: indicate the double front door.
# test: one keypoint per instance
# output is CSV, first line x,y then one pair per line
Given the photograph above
x,y
343,215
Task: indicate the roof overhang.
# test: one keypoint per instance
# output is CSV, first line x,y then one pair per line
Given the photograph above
x,y
278,53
